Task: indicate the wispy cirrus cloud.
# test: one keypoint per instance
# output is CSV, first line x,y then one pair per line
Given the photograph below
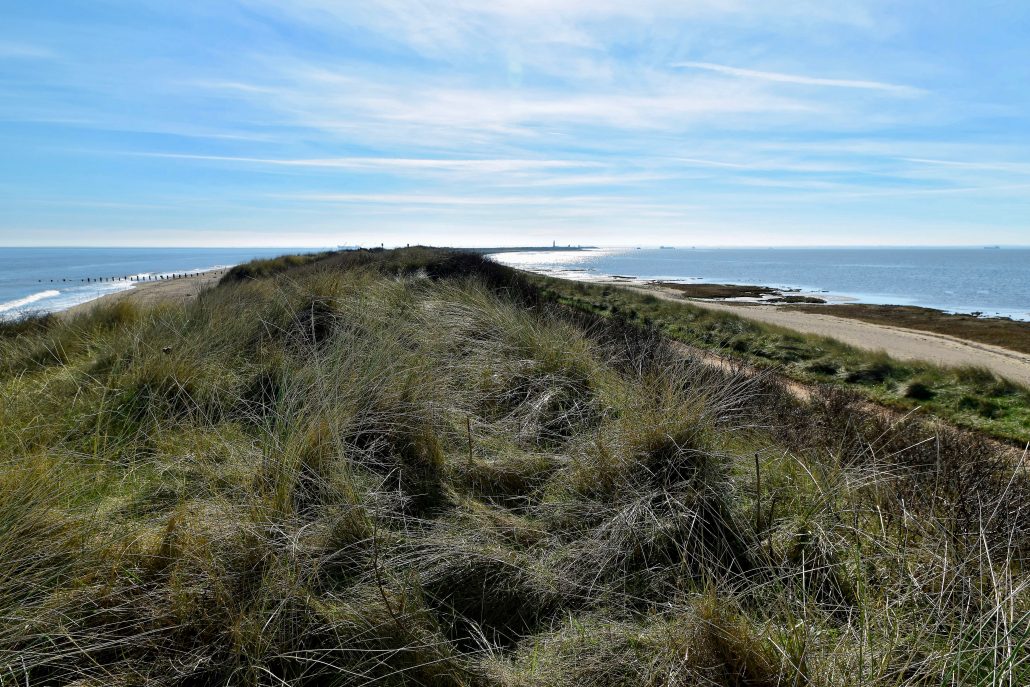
x,y
419,199
25,51
598,118
435,112
514,208
1020,168
799,79
445,27
476,166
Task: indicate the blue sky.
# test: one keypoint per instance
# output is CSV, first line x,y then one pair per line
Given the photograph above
x,y
693,122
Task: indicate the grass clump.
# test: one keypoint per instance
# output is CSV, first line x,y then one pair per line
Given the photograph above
x,y
414,468
267,267
28,324
918,391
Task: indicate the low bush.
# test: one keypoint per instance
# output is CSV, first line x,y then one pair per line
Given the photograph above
x,y
918,391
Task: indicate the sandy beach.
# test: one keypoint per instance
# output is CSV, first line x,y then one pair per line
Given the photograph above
x,y
900,343
151,292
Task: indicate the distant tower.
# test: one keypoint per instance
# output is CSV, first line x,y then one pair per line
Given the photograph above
x,y
554,244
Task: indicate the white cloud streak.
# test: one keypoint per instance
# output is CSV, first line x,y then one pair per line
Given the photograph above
x,y
24,51
430,113
799,79
1008,167
444,26
391,164
470,115
514,200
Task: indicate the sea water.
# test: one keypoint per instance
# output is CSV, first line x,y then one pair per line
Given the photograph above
x,y
36,280
991,281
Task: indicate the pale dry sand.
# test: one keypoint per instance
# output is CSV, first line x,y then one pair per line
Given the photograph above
x,y
904,344
152,292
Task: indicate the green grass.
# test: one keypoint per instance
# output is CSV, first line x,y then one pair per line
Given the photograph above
x,y
970,397
415,468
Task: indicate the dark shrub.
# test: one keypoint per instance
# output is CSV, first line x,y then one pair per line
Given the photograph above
x,y
256,269
980,406
918,391
822,367
873,373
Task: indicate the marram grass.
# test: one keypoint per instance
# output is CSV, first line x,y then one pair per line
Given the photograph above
x,y
411,468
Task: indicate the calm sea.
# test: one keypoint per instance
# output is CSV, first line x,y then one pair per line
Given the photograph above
x,y
991,281
52,279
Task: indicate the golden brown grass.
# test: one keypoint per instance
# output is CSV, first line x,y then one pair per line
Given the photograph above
x,y
408,469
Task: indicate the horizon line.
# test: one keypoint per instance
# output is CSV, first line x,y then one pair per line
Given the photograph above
x,y
581,246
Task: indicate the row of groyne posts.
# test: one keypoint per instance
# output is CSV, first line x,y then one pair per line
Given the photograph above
x,y
132,278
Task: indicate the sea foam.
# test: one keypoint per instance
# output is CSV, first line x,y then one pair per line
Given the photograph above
x,y
20,303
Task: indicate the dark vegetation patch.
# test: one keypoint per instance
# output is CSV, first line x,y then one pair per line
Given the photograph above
x,y
720,290
27,324
918,391
874,372
267,267
797,299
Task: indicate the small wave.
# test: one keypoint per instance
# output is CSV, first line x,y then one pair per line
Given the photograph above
x,y
27,300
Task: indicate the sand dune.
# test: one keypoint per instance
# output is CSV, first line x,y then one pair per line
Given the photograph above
x,y
904,344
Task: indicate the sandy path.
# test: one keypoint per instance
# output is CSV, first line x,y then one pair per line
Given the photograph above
x,y
153,292
904,344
